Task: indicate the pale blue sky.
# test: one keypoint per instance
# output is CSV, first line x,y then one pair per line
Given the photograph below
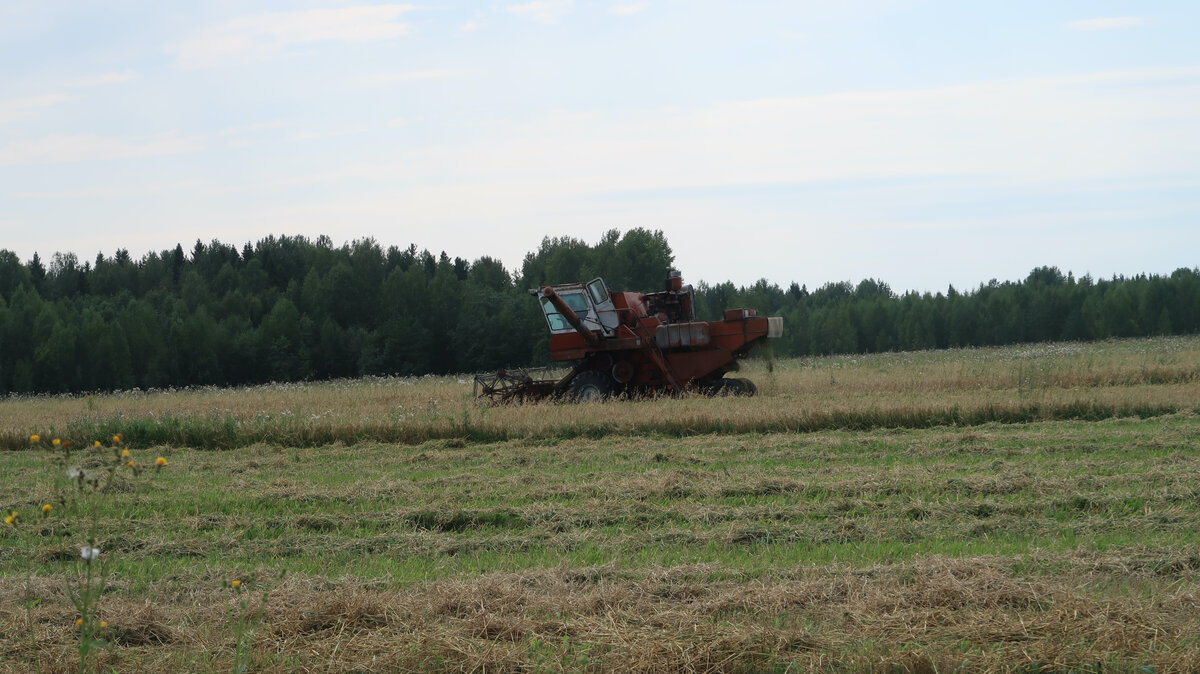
x,y
920,142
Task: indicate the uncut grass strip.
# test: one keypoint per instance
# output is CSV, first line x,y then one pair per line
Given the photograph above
x,y
202,434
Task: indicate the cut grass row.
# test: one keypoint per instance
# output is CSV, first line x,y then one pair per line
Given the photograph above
x,y
935,614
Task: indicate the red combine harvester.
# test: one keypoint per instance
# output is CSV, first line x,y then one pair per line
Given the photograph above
x,y
634,343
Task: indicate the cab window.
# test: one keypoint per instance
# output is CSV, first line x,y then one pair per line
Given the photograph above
x,y
555,319
576,301
598,292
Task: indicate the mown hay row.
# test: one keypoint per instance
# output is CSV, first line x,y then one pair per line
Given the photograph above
x,y
976,613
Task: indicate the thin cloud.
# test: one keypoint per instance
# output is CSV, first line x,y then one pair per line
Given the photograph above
x,y
251,128
266,34
470,26
542,11
100,80
1132,76
19,108
1085,127
628,9
1106,23
313,135
111,192
62,149
384,79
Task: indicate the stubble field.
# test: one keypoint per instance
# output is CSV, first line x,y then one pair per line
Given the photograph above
x,y
1032,508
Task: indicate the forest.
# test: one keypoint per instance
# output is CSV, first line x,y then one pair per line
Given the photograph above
x,y
290,308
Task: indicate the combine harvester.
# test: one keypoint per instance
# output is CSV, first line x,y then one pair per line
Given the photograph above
x,y
640,344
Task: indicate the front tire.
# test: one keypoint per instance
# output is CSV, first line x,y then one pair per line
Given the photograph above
x,y
748,388
740,386
591,386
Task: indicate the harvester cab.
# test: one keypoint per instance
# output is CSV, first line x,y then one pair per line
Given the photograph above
x,y
634,343
590,303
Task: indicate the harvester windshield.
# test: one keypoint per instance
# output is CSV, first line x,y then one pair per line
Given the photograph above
x,y
577,303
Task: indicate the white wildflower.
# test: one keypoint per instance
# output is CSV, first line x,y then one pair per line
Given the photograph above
x,y
89,553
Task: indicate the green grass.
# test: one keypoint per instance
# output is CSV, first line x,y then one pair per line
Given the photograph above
x,y
434,511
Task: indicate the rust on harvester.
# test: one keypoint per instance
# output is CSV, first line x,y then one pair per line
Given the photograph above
x,y
633,343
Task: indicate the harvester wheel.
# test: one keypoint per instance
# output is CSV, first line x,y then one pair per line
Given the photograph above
x,y
719,388
747,387
591,386
730,386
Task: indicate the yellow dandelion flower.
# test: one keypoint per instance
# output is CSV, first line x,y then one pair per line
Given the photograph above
x,y
129,464
9,520
56,442
236,583
124,453
117,438
103,623
35,438
79,622
95,443
160,462
47,508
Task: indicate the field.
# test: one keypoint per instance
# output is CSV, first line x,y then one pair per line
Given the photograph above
x,y
1033,508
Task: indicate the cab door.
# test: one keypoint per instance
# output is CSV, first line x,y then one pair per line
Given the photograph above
x,y
606,313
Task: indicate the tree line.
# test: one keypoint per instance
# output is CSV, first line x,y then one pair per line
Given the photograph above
x,y
290,309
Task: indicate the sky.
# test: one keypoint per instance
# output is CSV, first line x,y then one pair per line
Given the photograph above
x,y
921,143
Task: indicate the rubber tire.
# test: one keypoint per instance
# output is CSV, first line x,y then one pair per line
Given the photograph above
x,y
591,386
721,388
747,388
